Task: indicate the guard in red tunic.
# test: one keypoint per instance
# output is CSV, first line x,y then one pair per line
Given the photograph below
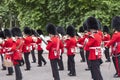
x,y
80,43
61,33
39,49
71,44
33,45
106,39
7,46
2,37
86,49
115,43
94,45
17,53
53,47
26,47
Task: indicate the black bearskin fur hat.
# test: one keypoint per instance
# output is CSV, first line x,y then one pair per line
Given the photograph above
x,y
116,23
2,35
105,29
85,26
81,29
70,31
61,30
92,23
51,29
7,33
16,32
39,31
33,32
27,30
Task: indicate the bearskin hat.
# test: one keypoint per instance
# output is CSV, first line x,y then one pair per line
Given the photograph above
x,y
70,31
105,29
99,24
16,32
27,30
81,29
2,35
39,31
51,29
33,32
61,30
116,23
7,33
85,26
92,23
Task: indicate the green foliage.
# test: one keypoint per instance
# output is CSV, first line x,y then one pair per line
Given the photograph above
x,y
37,13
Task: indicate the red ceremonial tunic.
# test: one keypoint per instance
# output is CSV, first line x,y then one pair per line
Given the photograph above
x,y
106,39
39,41
71,44
27,44
52,45
115,42
17,53
94,46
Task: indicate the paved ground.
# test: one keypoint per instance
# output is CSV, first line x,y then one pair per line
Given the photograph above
x,y
44,73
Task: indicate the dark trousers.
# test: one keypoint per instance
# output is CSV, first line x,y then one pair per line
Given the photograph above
x,y
18,73
60,63
54,69
26,57
71,64
88,61
33,56
82,54
3,67
10,70
116,62
40,58
107,55
95,70
21,62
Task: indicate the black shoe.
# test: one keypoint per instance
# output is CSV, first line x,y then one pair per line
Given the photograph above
x,y
3,69
116,76
82,61
34,62
60,69
27,69
107,61
9,74
71,74
39,66
45,63
87,69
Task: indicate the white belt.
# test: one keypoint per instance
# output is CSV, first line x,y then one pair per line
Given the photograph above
x,y
106,41
9,53
94,47
39,44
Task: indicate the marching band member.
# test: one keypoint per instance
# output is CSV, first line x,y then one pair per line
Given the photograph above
x,y
17,53
81,42
61,33
106,39
33,45
2,37
71,44
26,47
86,49
53,48
115,43
40,50
7,48
94,45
